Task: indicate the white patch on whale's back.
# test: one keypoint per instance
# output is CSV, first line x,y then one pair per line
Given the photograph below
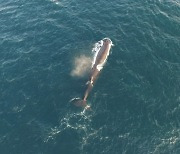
x,y
99,67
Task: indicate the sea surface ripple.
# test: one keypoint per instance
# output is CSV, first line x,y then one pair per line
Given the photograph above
x,y
136,100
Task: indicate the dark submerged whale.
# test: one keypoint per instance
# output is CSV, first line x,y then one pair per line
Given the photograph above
x,y
101,53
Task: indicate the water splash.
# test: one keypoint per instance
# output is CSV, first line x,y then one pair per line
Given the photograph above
x,y
55,1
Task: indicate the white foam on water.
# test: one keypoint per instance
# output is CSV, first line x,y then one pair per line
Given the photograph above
x,y
55,1
96,49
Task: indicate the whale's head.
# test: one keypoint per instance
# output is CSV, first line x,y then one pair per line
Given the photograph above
x,y
107,41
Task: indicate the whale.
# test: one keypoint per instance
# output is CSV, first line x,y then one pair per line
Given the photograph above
x,y
101,52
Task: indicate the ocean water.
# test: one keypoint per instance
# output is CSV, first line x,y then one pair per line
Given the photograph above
x,y
136,100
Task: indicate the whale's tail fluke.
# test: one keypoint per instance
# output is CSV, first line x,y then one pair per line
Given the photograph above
x,y
78,102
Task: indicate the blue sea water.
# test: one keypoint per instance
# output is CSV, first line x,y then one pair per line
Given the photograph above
x,y
136,100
